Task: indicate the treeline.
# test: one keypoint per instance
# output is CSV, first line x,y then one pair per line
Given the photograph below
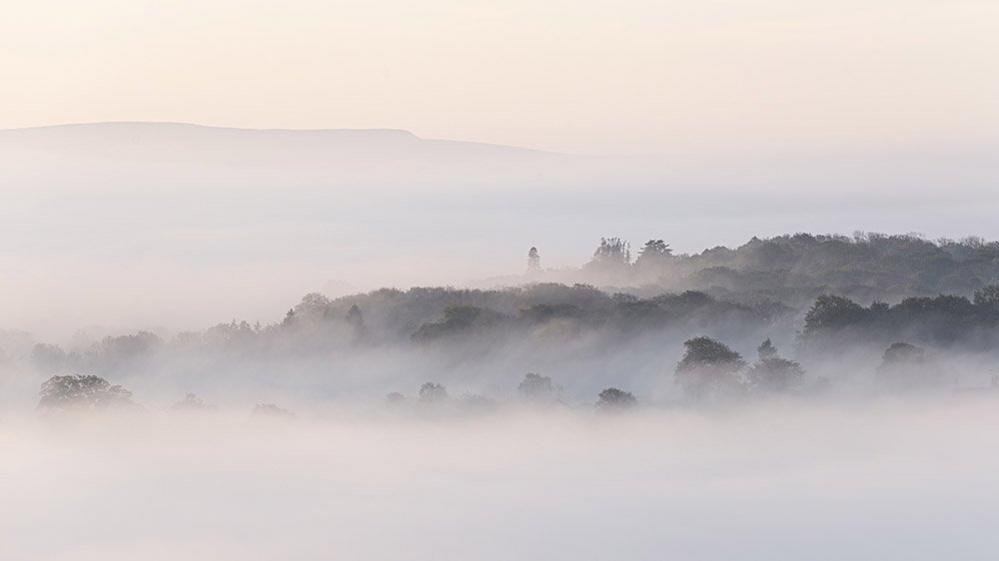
x,y
708,372
549,314
795,269
940,321
545,313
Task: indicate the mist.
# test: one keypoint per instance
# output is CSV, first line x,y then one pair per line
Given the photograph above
x,y
466,281
889,479
127,226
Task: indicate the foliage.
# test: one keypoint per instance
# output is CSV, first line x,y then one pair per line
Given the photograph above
x,y
941,320
773,374
613,254
767,350
82,391
907,366
431,392
536,388
709,369
613,399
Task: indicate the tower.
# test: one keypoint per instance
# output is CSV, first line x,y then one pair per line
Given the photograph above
x,y
533,262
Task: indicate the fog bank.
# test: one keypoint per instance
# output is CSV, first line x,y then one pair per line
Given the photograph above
x,y
894,479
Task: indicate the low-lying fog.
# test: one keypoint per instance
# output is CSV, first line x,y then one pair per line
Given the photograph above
x,y
887,478
772,419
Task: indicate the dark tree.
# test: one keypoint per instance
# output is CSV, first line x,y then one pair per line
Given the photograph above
x,y
433,393
709,369
988,298
536,388
833,313
355,317
82,391
654,254
459,321
905,366
613,399
767,350
612,253
771,373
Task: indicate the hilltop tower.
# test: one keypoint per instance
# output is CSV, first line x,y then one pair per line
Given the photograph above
x,y
533,262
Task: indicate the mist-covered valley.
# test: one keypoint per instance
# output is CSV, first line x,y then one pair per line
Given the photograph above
x,y
185,375
382,280
792,315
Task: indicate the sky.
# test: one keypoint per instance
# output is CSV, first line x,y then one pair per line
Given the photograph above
x,y
586,76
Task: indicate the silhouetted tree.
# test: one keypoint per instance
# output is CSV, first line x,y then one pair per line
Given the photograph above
x,y
536,388
771,373
612,253
905,366
431,392
709,369
766,350
988,298
654,253
613,399
355,319
459,320
82,391
833,313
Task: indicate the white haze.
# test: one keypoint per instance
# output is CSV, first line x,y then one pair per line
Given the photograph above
x,y
883,479
118,227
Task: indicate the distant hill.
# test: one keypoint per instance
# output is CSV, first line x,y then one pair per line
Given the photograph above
x,y
179,143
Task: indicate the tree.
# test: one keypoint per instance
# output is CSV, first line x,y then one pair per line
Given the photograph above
x,y
988,298
654,253
355,319
709,369
612,253
906,366
431,392
536,388
78,391
613,399
833,313
459,321
771,373
767,350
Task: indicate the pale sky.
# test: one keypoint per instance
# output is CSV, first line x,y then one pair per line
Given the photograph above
x,y
594,76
